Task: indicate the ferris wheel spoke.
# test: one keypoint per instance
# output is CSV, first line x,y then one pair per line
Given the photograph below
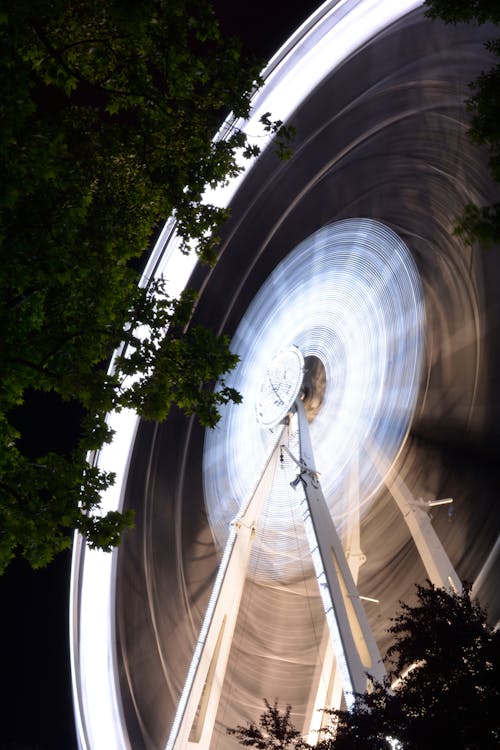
x,y
436,562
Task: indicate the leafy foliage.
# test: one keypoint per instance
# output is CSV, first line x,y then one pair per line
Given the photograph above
x,y
107,121
457,11
274,730
449,691
479,222
444,668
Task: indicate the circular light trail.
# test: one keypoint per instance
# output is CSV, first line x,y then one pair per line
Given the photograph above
x,y
349,295
373,148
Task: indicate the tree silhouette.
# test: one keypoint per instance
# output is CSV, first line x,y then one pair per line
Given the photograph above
x,y
109,111
274,731
480,223
442,689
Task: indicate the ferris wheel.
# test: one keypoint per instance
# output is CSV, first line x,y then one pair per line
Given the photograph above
x,y
270,552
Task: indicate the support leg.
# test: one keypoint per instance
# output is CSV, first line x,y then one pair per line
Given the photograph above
x,y
437,563
327,683
354,645
195,718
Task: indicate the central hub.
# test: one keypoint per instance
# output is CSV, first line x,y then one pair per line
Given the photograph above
x,y
280,386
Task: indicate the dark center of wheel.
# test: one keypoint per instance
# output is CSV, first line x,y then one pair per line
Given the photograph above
x,y
313,386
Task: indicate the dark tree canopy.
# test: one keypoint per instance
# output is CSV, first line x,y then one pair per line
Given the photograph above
x,y
446,660
449,693
274,730
457,11
107,120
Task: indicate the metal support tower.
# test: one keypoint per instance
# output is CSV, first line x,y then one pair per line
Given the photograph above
x,y
350,653
356,651
353,643
195,717
436,562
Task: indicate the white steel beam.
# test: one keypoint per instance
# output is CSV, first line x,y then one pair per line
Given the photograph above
x,y
436,562
355,648
326,691
195,717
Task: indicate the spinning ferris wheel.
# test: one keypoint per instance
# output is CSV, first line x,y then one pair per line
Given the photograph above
x,y
342,395
270,552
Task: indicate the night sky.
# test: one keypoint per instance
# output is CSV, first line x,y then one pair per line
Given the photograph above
x,y
37,709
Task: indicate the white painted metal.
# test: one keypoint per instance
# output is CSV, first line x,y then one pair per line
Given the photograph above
x,y
436,562
280,386
321,44
195,718
354,645
326,688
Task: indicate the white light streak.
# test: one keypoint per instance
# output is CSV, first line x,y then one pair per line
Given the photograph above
x,y
349,295
92,605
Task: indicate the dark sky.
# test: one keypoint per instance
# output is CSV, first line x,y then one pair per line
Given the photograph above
x,y
36,708
264,27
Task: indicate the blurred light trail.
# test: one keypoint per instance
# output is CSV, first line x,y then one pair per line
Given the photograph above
x,y
328,38
349,295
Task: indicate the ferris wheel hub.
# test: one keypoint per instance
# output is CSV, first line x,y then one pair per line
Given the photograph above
x,y
280,386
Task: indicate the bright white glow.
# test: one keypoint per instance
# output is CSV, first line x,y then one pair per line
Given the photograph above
x,y
396,684
324,41
395,744
351,296
93,655
280,387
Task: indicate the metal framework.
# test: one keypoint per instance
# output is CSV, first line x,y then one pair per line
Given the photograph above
x,y
350,654
195,717
322,45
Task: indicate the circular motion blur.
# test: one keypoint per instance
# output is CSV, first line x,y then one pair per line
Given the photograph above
x,y
350,296
346,252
